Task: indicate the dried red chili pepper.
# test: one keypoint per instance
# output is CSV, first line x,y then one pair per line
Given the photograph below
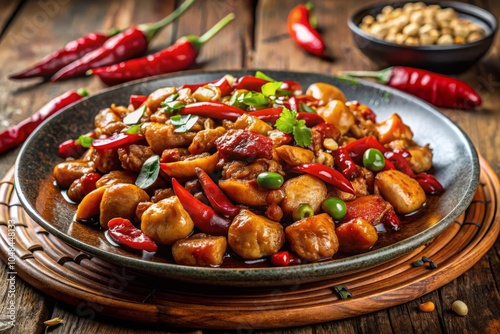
x,y
179,56
391,220
222,83
215,196
127,44
345,164
125,233
327,174
244,145
88,182
72,51
437,89
137,100
17,134
213,109
301,25
284,258
249,82
203,216
429,183
119,139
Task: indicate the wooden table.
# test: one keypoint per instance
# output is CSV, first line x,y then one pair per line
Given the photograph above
x,y
256,39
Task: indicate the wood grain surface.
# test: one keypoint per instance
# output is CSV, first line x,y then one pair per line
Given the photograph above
x,y
256,39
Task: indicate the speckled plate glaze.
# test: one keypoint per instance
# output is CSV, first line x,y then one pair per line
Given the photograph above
x,y
455,165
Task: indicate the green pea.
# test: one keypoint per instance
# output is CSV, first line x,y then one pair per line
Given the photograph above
x,y
270,180
373,159
335,207
302,211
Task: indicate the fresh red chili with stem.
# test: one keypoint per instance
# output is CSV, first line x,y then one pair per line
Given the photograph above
x,y
437,89
128,44
72,51
203,216
301,25
125,233
215,196
17,134
327,174
181,55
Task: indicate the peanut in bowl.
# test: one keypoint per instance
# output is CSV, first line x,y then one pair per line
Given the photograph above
x,y
445,37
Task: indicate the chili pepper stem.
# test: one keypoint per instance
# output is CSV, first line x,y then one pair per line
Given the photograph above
x,y
151,29
199,41
382,76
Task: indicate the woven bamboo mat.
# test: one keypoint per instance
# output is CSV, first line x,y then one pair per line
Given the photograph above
x,y
92,284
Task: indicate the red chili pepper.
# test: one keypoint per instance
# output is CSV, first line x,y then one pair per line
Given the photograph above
x,y
137,100
119,139
215,196
345,164
71,148
301,27
212,109
400,162
295,101
271,115
179,56
327,174
17,134
251,83
128,44
437,89
88,182
125,233
203,216
391,220
222,83
429,183
244,145
284,258
72,51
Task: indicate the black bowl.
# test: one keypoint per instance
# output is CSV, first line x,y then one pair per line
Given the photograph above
x,y
446,59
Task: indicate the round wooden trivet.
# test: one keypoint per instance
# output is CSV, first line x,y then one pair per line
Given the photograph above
x,y
95,287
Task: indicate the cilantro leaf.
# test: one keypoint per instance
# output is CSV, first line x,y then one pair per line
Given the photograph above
x,y
288,123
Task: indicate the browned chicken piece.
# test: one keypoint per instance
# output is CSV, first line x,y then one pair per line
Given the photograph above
x,y
141,208
107,161
253,124
200,250
371,208
155,99
241,170
68,171
105,117
325,92
393,128
207,93
403,192
115,177
356,236
244,192
133,157
294,155
167,221
303,189
162,194
162,136
338,114
204,140
89,207
75,191
120,200
252,236
279,138
420,159
174,154
313,238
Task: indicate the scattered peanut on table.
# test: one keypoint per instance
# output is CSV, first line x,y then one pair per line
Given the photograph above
x,y
419,24
460,308
427,307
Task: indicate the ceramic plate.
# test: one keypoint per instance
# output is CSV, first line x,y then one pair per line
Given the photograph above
x,y
455,163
